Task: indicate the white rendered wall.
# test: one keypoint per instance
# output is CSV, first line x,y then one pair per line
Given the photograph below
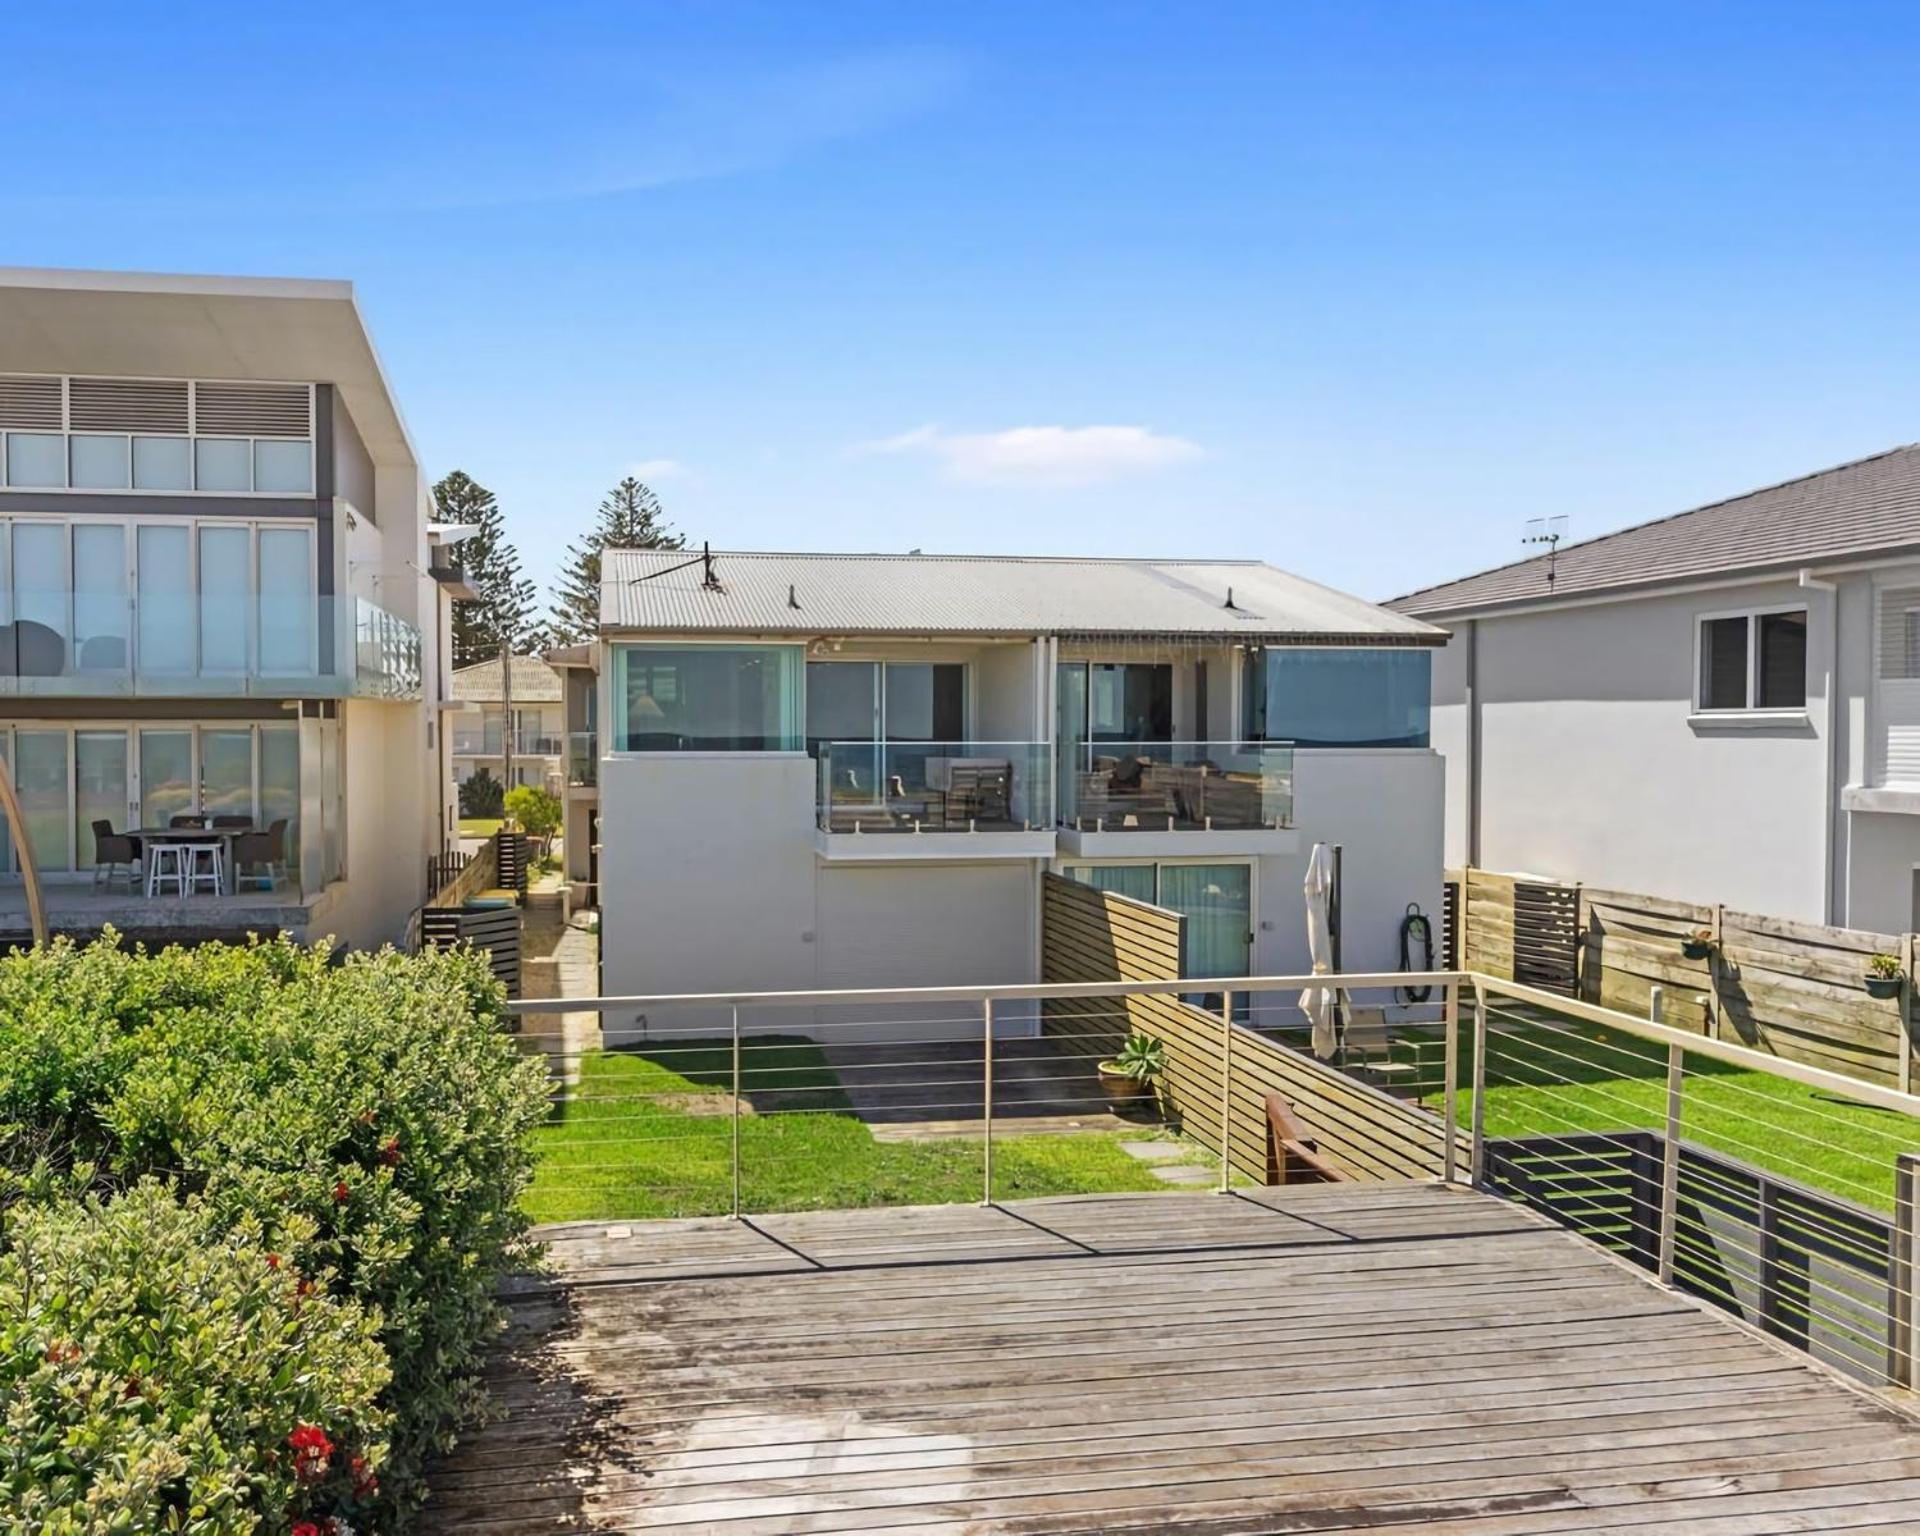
x,y
710,883
1591,768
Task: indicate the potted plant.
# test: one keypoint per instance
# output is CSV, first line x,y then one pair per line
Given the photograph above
x,y
1883,976
1132,1074
1698,945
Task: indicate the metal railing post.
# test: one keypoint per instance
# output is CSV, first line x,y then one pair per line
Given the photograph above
x,y
1478,1152
986,1103
1903,1318
736,1111
1450,1132
1670,1146
1226,1091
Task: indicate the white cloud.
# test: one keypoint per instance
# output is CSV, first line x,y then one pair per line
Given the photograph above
x,y
1044,455
651,470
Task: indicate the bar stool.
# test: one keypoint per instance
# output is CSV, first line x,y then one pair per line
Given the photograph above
x,y
167,862
205,867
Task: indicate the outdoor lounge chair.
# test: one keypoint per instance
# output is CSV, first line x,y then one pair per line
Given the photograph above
x,y
262,850
114,852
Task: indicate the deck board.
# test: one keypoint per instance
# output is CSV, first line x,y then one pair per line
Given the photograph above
x,y
1326,1358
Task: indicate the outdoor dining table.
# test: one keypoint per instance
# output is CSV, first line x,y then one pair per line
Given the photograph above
x,y
229,875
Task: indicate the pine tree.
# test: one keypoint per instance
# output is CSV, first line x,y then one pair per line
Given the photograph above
x,y
630,517
504,613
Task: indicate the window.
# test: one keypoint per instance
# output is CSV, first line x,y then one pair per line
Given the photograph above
x,y
1753,661
914,707
36,460
1215,899
1322,696
709,698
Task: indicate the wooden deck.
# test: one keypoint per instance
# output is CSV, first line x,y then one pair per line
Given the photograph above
x,y
1322,1358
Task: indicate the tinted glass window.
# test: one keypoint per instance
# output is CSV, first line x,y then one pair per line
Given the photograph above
x,y
1339,698
1783,661
1723,663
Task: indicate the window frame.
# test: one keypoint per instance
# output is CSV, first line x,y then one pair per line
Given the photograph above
x,y
1750,710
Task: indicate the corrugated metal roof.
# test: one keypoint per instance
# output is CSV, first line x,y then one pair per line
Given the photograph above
x,y
1863,508
534,682
980,595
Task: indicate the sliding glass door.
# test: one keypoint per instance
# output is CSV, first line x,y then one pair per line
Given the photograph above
x,y
166,775
99,788
909,711
1216,901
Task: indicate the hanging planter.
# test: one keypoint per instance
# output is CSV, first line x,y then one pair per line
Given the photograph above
x,y
1884,978
1699,945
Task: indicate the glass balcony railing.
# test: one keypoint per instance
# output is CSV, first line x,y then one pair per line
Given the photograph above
x,y
469,742
583,758
934,786
269,645
1160,786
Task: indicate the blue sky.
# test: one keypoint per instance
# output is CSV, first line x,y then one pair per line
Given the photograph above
x,y
1355,288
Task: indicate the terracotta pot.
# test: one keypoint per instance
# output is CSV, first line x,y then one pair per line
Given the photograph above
x,y
1121,1088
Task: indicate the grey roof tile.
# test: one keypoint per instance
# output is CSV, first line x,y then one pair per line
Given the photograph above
x,y
1861,508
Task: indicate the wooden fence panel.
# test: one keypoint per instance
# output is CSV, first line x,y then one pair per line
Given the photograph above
x,y
494,929
1794,988
1090,935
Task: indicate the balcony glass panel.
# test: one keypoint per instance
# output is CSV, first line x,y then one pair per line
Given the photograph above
x,y
934,786
286,600
222,464
101,632
1163,786
1331,697
223,601
36,460
283,467
165,628
583,765
711,698
100,462
162,464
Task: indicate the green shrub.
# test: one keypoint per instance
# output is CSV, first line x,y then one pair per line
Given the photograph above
x,y
371,1117
535,811
482,796
161,1374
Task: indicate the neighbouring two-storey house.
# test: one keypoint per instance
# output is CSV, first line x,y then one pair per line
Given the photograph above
x,y
219,597
484,724
841,771
1719,706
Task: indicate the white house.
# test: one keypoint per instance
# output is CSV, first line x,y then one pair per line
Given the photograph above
x,y
837,771
219,596
481,731
1722,705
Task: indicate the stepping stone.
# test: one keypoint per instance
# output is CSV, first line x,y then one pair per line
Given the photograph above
x,y
1156,1151
1186,1174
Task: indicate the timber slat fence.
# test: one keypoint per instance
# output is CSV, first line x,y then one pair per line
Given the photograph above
x,y
1090,935
1793,989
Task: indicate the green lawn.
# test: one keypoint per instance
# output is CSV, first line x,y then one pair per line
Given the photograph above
x,y
480,826
1546,1079
647,1134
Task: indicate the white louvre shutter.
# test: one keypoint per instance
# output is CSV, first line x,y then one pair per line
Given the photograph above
x,y
253,410
31,403
128,405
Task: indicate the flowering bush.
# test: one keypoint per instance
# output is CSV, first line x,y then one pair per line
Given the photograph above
x,y
367,1118
159,1374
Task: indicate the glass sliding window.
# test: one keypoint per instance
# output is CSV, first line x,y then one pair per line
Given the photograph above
x,y
226,772
716,698
1331,697
166,775
1071,689
99,787
843,706
225,604
40,778
42,591
280,785
1129,701
925,702
164,559
100,618
286,601
36,460
1782,670
99,462
1723,663
283,467
1137,881
162,464
1217,902
222,464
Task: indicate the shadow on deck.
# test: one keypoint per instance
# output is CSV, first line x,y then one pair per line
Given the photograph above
x,y
1321,1358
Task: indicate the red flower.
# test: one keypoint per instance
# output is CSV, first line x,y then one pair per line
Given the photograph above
x,y
390,1152
273,1261
305,1528
341,1193
365,1483
311,1449
133,1387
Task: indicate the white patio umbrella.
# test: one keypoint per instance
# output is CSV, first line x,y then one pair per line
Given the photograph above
x,y
1317,1002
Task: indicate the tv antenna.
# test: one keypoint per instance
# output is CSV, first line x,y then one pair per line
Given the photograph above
x,y
1549,531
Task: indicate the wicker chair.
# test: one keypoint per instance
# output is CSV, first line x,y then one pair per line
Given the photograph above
x,y
262,850
114,852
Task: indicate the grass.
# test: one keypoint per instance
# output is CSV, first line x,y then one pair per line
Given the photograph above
x,y
647,1134
480,826
1553,1078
